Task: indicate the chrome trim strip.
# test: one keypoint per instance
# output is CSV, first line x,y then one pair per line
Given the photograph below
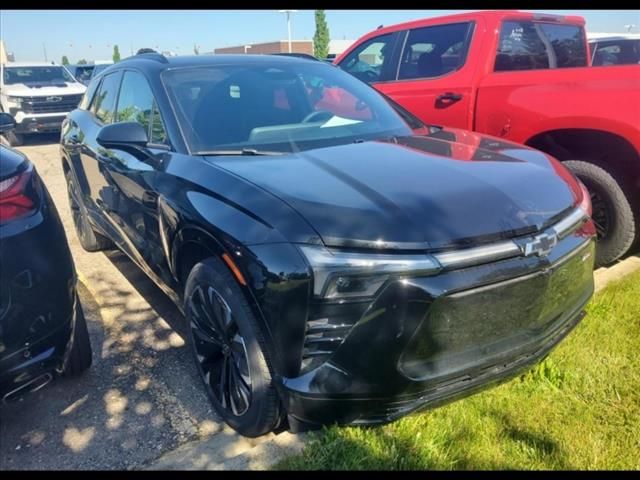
x,y
509,248
576,251
569,224
473,256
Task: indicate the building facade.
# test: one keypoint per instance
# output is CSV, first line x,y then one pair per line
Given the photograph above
x,y
336,47
280,46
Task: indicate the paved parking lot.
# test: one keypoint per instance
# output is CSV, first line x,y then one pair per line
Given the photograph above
x,y
140,399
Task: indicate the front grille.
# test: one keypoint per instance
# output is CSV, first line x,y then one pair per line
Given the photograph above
x,y
490,321
50,104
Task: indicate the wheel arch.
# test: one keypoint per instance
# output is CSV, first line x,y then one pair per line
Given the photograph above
x,y
608,150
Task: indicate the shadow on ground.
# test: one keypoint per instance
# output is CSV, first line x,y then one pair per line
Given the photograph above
x,y
141,397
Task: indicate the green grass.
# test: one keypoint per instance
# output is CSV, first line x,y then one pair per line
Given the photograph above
x,y
579,409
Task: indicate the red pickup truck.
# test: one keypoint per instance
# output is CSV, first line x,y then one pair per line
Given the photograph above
x,y
527,78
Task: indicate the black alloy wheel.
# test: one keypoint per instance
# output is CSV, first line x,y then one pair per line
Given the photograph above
x,y
220,349
230,350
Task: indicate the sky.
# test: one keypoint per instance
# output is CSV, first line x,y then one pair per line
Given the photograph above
x,y
91,34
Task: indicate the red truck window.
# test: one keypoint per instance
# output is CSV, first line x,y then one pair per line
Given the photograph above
x,y
367,60
434,51
528,45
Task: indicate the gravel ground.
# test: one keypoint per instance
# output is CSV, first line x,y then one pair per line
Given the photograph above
x,y
140,399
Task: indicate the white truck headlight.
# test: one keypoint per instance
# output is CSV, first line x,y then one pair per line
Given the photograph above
x,y
14,101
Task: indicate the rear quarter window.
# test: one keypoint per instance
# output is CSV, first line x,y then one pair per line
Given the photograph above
x,y
525,45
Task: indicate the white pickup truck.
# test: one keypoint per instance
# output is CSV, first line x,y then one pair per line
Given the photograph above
x,y
38,96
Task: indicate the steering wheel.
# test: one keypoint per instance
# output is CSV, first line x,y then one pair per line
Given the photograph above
x,y
369,75
317,116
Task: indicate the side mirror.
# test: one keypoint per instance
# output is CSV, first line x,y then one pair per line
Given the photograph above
x,y
124,134
7,122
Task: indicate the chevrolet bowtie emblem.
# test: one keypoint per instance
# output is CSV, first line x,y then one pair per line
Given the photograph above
x,y
541,245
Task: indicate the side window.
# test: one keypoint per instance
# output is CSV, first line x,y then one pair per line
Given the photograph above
x,y
158,134
367,60
104,104
568,47
434,51
605,55
88,95
622,52
136,104
533,46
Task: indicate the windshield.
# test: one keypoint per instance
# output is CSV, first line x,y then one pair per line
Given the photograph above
x,y
41,75
279,107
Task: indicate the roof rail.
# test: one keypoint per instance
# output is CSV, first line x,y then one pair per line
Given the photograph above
x,y
158,57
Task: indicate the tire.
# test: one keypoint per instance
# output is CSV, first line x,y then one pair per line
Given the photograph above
x,y
13,139
242,363
80,358
612,211
90,240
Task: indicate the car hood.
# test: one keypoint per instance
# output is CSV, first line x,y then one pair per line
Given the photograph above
x,y
449,188
43,89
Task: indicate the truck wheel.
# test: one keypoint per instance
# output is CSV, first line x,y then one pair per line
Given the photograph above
x,y
81,355
612,212
14,139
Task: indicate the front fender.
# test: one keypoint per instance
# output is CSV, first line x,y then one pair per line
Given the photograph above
x,y
278,279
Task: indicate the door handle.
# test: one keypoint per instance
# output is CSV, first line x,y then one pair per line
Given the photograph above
x,y
449,97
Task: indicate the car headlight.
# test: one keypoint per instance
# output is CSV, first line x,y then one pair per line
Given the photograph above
x,y
338,274
14,101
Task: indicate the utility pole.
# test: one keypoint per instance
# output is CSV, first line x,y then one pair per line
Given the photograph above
x,y
288,12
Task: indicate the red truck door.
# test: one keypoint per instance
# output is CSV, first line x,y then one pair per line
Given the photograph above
x,y
430,71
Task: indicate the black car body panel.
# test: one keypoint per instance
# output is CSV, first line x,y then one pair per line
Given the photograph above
x,y
37,288
423,201
435,191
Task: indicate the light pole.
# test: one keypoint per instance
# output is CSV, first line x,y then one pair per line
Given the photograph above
x,y
288,12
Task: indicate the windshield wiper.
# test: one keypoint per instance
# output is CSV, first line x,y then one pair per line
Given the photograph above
x,y
240,152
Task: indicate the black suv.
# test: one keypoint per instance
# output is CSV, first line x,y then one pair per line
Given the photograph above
x,y
43,332
336,259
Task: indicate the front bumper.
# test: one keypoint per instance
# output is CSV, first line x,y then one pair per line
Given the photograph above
x,y
427,341
38,123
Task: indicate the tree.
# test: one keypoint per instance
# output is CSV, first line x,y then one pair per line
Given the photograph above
x,y
116,54
321,37
196,50
65,60
82,61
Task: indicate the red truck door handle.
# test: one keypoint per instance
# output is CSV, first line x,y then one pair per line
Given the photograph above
x,y
449,97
